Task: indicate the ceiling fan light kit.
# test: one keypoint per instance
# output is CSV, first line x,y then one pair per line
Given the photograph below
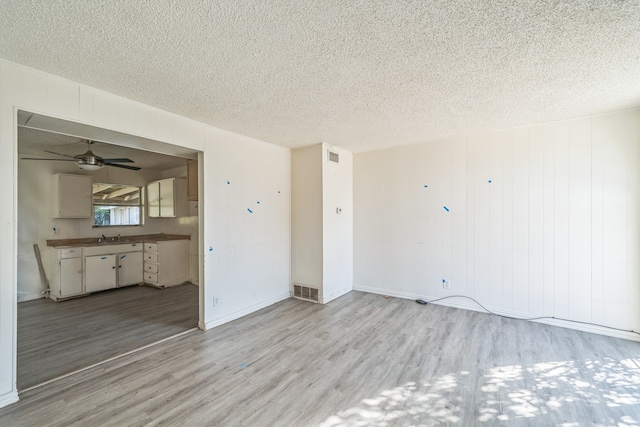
x,y
89,161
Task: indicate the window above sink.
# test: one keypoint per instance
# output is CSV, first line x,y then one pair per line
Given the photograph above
x,y
116,205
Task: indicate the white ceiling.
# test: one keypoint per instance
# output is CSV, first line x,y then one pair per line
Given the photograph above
x,y
359,75
34,142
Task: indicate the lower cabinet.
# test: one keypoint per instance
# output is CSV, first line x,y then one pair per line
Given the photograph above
x,y
65,279
82,270
100,273
129,268
70,281
166,263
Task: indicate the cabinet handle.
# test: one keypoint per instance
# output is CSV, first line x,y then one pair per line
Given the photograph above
x,y
113,267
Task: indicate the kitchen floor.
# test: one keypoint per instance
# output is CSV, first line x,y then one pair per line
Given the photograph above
x,y
55,338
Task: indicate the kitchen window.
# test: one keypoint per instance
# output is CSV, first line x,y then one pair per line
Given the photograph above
x,y
116,205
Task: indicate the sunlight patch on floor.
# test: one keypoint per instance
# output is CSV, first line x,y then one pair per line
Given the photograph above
x,y
537,391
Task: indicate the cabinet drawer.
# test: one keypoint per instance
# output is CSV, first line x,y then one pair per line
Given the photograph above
x,y
70,253
151,247
150,277
150,257
150,268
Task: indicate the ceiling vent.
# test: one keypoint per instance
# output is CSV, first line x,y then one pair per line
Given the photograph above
x,y
306,293
333,157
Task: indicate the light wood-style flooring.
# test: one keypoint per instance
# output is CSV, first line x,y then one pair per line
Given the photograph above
x,y
55,338
361,360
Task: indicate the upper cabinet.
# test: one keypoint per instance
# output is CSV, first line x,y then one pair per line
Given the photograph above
x,y
72,196
166,198
192,180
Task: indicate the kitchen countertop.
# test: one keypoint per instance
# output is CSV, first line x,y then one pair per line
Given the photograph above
x,y
93,241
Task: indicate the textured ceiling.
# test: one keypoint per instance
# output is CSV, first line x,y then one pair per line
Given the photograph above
x,y
359,75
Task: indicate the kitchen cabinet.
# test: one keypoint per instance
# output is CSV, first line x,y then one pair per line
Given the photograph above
x,y
130,268
79,271
167,198
66,280
192,180
110,266
72,196
100,272
70,277
166,263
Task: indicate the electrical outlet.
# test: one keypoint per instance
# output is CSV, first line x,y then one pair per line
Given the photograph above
x,y
445,284
215,301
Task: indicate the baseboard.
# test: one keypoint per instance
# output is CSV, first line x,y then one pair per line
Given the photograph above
x,y
466,304
24,297
8,398
240,313
335,295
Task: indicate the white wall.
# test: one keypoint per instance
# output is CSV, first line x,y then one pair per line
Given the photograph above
x,y
337,229
555,233
306,216
322,239
248,253
248,264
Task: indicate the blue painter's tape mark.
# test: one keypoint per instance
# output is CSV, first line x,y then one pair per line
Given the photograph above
x,y
444,281
210,248
228,183
489,181
123,257
250,211
278,191
426,186
104,257
446,208
258,202
243,365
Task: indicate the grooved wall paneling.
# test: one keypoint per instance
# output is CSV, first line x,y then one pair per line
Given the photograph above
x,y
542,220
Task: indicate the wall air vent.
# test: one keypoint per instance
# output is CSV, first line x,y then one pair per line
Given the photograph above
x,y
333,157
306,293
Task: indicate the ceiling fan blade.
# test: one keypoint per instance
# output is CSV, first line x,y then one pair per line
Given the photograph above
x,y
133,168
40,158
119,160
59,154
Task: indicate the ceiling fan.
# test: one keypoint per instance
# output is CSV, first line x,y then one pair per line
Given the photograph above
x,y
88,160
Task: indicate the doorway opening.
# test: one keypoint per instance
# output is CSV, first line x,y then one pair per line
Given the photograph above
x,y
120,278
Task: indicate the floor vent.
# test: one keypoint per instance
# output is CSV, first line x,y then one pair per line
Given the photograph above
x,y
334,157
306,293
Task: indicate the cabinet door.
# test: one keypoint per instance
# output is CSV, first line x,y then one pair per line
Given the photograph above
x,y
167,202
100,272
70,277
74,196
192,180
129,268
173,262
153,199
